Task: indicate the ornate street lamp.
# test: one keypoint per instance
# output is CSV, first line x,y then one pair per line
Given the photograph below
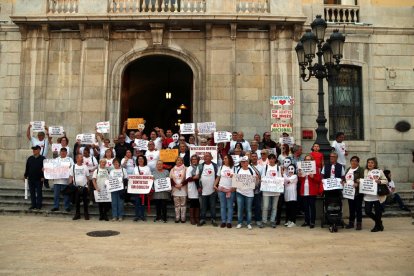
x,y
331,52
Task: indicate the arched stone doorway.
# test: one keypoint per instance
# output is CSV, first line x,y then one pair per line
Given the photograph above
x,y
146,83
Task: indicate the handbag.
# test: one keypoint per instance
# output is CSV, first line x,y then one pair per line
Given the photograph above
x,y
383,190
68,190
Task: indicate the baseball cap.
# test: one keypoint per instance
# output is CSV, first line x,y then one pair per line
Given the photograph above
x,y
36,147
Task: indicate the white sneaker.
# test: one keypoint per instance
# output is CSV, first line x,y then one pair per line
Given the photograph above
x,y
287,223
292,224
239,226
120,219
249,227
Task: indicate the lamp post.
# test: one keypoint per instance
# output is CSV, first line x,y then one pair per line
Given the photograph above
x,y
331,52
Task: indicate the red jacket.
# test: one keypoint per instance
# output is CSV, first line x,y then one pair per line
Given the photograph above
x,y
315,185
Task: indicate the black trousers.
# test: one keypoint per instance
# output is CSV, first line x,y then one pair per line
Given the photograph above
x,y
103,209
194,203
310,209
355,208
280,204
291,210
81,192
161,208
377,216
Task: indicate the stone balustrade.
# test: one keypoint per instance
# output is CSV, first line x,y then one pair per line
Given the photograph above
x,y
63,6
156,6
342,13
252,6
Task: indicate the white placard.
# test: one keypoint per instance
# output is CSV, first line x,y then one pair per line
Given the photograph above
x,y
282,100
56,168
103,195
307,166
222,136
56,147
349,190
140,184
206,128
201,150
272,184
114,184
103,127
330,184
56,131
141,144
188,128
281,114
367,186
162,184
243,181
287,140
86,138
38,126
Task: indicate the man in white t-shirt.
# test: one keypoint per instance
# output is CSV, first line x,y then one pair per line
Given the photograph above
x,y
207,176
340,148
60,184
152,156
79,176
42,140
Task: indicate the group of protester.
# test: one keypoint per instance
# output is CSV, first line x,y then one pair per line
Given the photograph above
x,y
200,183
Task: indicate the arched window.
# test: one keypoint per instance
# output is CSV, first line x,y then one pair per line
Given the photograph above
x,y
345,103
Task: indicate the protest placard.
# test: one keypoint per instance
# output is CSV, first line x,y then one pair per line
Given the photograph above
x,y
287,140
206,128
133,123
201,150
281,114
102,127
272,184
282,100
367,186
307,166
38,126
222,136
103,195
243,181
276,127
56,131
162,184
114,184
236,159
168,155
141,144
56,168
56,147
349,190
188,128
330,184
86,138
140,184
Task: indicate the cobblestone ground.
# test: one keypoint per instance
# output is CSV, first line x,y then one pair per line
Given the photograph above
x,y
34,245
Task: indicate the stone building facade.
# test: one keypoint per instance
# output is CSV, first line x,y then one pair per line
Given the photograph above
x,y
62,61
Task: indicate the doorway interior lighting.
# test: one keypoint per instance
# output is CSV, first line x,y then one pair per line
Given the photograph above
x,y
168,95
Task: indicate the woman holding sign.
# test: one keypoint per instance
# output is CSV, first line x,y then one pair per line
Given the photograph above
x,y
118,196
139,200
161,198
352,176
192,189
225,192
179,190
374,201
99,177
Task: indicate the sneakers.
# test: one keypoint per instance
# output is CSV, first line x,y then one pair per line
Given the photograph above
x,y
262,225
120,219
213,222
273,225
291,224
249,226
201,223
114,219
287,223
239,226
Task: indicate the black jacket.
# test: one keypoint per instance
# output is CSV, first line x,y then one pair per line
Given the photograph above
x,y
34,168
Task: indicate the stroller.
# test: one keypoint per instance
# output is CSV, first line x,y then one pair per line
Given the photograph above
x,y
332,210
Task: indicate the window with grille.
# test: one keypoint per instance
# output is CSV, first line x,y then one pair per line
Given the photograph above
x,y
345,103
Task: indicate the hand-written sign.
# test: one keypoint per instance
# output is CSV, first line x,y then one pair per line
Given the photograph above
x,y
162,184
38,126
86,138
103,195
367,186
114,184
281,114
200,151
288,127
272,184
141,144
187,128
349,190
140,184
330,184
56,168
307,167
287,140
282,100
222,136
102,127
56,131
243,181
168,155
206,128
133,123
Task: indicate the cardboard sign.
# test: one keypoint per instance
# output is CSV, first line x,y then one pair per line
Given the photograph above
x,y
140,184
168,155
201,150
102,127
244,181
162,185
287,140
272,184
281,114
367,186
288,127
86,138
330,184
103,195
56,168
222,136
282,100
133,123
206,128
56,147
349,190
141,144
38,126
114,184
56,131
307,166
187,128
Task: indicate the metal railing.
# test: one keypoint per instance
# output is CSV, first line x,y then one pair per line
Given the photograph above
x,y
342,13
252,6
156,6
62,6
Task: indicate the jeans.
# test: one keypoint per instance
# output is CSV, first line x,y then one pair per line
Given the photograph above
x,y
36,197
139,206
117,205
355,208
257,205
226,207
211,201
244,202
378,211
266,201
310,209
57,189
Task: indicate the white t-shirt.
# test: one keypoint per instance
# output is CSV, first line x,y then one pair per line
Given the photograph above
x,y
225,174
91,163
91,151
191,186
340,149
102,150
291,187
207,179
64,181
128,165
272,171
158,143
247,192
44,145
142,170
245,145
81,176
152,158
101,175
